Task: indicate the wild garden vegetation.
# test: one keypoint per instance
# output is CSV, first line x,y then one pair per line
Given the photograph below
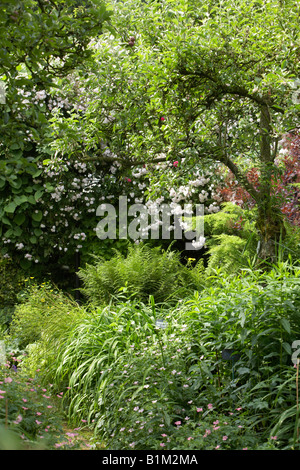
x,y
140,344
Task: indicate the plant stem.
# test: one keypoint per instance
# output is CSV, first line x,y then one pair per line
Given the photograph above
x,y
297,399
6,412
218,370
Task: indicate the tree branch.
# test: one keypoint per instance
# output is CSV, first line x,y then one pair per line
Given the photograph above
x,y
223,89
240,176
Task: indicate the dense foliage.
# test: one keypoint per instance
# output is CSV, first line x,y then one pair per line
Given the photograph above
x,y
162,103
218,363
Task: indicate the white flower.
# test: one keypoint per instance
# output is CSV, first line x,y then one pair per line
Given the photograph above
x,y
199,244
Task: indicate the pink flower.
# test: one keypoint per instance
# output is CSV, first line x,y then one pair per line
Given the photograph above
x,y
162,119
72,434
60,444
199,409
175,163
7,380
18,420
2,391
38,422
190,438
178,423
274,437
210,406
225,438
162,444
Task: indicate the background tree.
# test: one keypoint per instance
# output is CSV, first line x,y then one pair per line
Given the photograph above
x,y
42,41
201,82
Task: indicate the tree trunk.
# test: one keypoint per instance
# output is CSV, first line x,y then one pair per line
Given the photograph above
x,y
269,222
271,231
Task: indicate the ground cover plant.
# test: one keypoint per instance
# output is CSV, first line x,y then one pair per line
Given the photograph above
x,y
30,415
156,376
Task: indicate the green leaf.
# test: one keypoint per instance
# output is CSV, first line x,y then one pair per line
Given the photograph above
x,y
38,194
25,264
37,216
287,347
11,207
6,221
286,325
17,231
19,219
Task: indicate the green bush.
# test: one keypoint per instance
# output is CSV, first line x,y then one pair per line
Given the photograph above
x,y
12,282
134,381
143,272
42,307
162,376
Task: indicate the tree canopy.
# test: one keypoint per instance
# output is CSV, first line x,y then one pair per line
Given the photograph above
x,y
180,91
199,82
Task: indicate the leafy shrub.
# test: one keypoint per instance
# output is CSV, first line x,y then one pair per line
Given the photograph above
x,y
143,272
135,381
231,238
12,282
42,307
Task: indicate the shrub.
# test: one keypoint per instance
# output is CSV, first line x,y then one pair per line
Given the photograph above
x,y
12,282
134,380
42,307
143,272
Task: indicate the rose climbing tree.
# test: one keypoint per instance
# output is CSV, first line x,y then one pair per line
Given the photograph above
x,y
209,83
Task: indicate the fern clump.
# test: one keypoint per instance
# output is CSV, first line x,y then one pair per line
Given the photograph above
x,y
231,238
143,272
